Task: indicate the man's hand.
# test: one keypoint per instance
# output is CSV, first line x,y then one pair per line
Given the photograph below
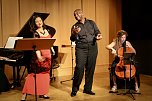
x,y
99,36
76,29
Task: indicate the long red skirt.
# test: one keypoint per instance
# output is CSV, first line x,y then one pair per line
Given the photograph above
x,y
42,84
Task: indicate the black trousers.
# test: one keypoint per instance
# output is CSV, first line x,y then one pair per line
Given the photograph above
x,y
86,54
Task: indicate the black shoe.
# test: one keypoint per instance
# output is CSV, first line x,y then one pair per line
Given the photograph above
x,y
45,97
22,100
89,92
73,93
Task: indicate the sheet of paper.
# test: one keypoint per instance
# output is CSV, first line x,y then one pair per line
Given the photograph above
x,y
11,42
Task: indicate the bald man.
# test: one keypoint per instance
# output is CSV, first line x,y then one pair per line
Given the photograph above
x,y
84,33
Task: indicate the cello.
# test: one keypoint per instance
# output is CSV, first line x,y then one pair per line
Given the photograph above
x,y
122,69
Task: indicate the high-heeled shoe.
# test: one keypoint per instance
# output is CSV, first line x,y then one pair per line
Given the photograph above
x,y
24,97
44,96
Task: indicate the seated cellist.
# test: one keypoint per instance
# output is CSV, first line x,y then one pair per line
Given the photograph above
x,y
114,46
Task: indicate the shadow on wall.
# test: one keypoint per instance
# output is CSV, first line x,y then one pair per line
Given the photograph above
x,y
143,55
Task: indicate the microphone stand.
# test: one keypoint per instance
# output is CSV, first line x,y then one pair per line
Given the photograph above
x,y
72,64
34,64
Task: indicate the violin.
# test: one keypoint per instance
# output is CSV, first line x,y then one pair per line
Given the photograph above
x,y
122,69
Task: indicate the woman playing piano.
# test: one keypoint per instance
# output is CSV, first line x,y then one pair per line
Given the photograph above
x,y
43,57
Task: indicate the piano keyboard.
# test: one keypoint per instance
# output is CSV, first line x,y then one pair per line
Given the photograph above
x,y
7,59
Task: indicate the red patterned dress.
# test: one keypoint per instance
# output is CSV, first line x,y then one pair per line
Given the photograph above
x,y
42,79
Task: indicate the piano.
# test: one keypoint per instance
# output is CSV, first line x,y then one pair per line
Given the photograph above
x,y
15,58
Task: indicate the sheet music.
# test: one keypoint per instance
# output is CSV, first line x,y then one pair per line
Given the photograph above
x,y
11,42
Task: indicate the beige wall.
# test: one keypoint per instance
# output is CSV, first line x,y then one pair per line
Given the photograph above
x,y
114,20
106,13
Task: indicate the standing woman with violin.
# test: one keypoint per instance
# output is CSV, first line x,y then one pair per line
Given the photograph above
x,y
115,46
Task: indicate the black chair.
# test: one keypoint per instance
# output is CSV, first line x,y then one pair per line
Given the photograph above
x,y
54,64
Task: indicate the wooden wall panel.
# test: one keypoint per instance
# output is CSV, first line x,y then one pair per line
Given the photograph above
x,y
52,6
88,7
10,16
102,20
10,25
106,14
114,25
66,20
27,7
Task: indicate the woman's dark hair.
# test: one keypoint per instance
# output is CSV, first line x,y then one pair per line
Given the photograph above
x,y
121,33
33,24
117,39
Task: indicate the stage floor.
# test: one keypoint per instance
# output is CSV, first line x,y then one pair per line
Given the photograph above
x,y
61,92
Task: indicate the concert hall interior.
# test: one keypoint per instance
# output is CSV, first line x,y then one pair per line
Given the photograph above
x,y
133,16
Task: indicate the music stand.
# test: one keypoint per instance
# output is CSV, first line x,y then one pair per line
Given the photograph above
x,y
34,44
128,60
